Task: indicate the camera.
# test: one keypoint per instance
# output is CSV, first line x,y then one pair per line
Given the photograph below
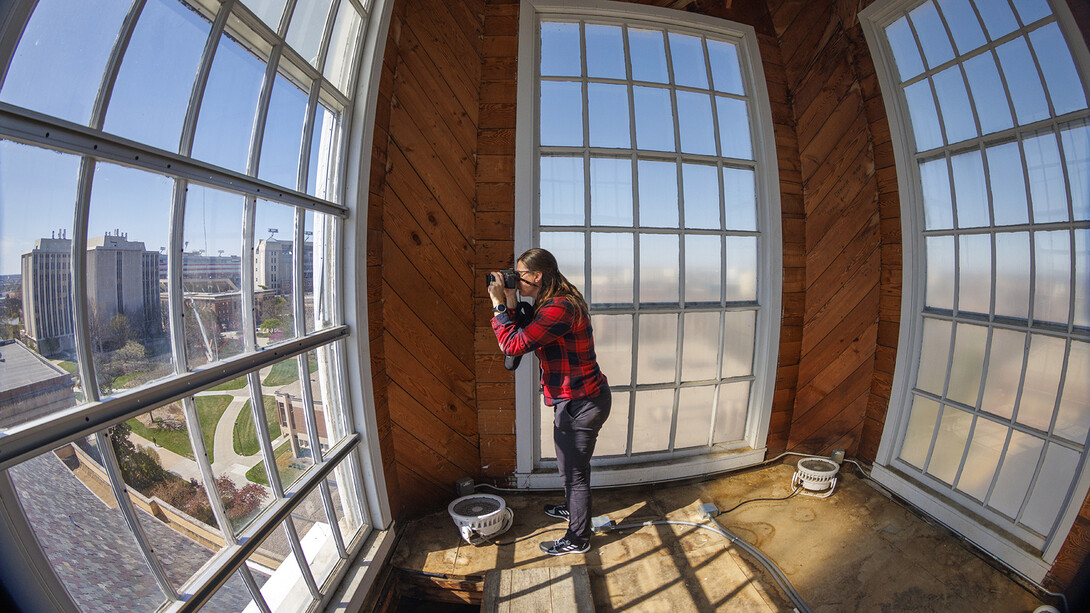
x,y
510,279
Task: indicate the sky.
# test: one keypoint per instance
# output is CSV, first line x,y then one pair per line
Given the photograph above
x,y
57,69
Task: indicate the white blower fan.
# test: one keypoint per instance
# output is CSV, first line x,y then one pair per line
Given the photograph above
x,y
480,517
816,477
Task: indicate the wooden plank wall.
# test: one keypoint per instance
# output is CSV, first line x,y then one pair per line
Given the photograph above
x,y
421,232
495,230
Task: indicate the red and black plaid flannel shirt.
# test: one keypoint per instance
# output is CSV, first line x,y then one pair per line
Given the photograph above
x,y
565,349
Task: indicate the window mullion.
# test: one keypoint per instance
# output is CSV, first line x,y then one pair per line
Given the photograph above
x,y
208,478
327,34
285,19
109,75
257,133
252,587
196,96
79,282
128,512
300,557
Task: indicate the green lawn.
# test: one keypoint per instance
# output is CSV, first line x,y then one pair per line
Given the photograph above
x,y
69,367
245,435
286,372
288,475
233,384
209,411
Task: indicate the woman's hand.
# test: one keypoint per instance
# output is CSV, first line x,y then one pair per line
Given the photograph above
x,y
496,290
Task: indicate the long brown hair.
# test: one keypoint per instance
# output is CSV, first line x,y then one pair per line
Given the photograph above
x,y
553,283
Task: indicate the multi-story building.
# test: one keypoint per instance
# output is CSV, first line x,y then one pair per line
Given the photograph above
x,y
30,386
47,295
197,265
123,279
290,411
273,264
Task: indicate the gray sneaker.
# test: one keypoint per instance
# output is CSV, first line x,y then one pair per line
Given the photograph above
x,y
559,511
563,546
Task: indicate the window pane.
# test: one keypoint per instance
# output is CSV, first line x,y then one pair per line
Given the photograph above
x,y
921,426
687,58
651,425
560,50
343,482
738,341
1019,463
151,95
925,117
657,349
1051,488
703,268
1073,416
562,113
932,34
933,356
283,134
740,198
284,590
970,345
612,269
59,63
1008,183
1004,372
970,192
1043,368
654,118
957,113
613,437
568,247
613,347
324,265
1052,284
562,191
233,595
1012,288
659,268
975,279
726,73
1076,147
939,293
343,46
608,115
274,272
694,114
228,107
278,409
984,451
963,24
545,430
605,52
268,10
611,191
733,128
998,17
211,284
905,52
730,414
1064,85
700,354
316,536
37,251
701,190
126,230
694,416
937,204
307,27
323,153
1046,180
741,281
1022,81
1032,10
648,55
658,194
328,390
309,284
989,97
950,443
83,534
1081,316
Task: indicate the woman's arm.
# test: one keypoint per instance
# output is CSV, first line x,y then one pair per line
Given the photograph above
x,y
552,321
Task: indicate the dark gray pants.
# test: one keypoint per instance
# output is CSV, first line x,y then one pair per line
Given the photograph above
x,y
576,424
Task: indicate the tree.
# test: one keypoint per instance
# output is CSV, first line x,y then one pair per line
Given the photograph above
x,y
139,468
271,324
131,352
119,330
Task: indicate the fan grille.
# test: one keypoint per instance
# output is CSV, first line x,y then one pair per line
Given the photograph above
x,y
476,507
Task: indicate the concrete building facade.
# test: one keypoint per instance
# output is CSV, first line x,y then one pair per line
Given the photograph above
x,y
47,295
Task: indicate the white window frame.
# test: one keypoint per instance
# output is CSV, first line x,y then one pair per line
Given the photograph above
x,y
1034,565
770,257
40,588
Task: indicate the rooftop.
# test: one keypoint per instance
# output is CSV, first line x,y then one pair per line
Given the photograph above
x,y
20,367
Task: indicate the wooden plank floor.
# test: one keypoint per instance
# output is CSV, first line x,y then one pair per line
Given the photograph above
x,y
555,589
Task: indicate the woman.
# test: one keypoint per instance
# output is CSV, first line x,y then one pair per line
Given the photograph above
x,y
558,330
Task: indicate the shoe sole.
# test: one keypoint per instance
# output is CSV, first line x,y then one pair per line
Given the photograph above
x,y
562,553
